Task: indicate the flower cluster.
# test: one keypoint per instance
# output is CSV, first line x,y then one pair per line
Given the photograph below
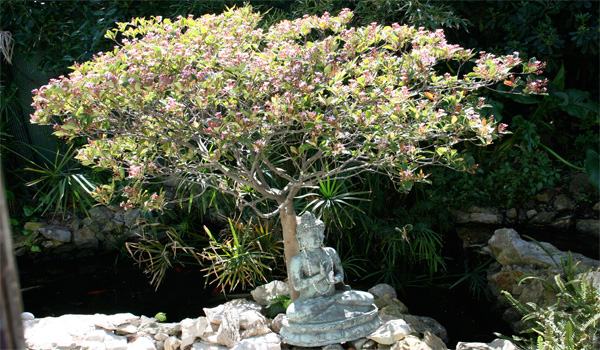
x,y
197,95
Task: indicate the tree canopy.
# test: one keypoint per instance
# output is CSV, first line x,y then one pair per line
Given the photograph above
x,y
218,102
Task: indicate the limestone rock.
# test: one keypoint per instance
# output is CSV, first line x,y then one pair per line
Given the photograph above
x,y
432,342
203,345
511,213
543,218
142,343
56,232
34,225
424,325
332,347
257,329
265,293
497,344
249,312
478,215
229,331
62,332
383,289
591,227
391,305
410,342
544,197
277,323
85,237
103,339
130,217
25,316
509,249
172,343
192,329
269,341
562,202
390,332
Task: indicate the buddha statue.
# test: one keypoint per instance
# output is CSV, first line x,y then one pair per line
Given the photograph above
x,y
327,311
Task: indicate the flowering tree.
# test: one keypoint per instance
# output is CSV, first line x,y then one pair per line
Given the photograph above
x,y
262,114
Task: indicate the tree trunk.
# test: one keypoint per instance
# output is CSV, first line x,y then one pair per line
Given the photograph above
x,y
290,244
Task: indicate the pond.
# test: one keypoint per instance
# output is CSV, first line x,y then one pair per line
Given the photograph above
x,y
107,285
111,284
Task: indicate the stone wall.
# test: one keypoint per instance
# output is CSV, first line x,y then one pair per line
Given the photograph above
x,y
104,230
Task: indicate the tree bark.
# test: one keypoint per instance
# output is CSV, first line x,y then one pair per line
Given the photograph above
x,y
290,244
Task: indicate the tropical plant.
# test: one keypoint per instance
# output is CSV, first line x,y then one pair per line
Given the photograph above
x,y
571,323
273,111
160,247
61,186
237,257
333,203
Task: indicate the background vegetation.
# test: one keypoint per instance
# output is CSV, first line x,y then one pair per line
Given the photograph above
x,y
551,135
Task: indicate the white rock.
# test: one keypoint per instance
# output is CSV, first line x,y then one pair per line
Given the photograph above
x,y
57,332
142,343
115,342
277,323
161,336
390,332
192,329
214,314
172,343
265,293
333,347
202,345
432,342
249,312
27,316
410,342
229,331
383,289
269,341
257,329
97,335
497,344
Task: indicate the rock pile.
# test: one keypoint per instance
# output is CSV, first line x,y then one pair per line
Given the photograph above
x,y
516,258
238,324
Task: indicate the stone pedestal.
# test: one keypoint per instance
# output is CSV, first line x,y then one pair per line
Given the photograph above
x,y
334,325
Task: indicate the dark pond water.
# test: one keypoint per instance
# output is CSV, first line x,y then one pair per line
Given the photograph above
x,y
99,285
109,284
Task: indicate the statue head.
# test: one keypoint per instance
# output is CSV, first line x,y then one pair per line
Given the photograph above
x,y
310,231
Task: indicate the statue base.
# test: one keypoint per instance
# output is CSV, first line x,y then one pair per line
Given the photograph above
x,y
356,325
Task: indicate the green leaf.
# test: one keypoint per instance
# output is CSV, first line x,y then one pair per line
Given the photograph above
x,y
592,167
160,316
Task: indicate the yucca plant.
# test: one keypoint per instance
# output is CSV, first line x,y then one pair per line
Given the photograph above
x,y
61,185
237,256
159,248
334,203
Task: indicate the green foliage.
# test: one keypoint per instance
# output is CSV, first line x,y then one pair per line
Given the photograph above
x,y
197,115
162,246
160,316
279,306
333,203
237,257
431,15
60,33
403,250
61,185
571,323
592,167
476,279
509,178
544,29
